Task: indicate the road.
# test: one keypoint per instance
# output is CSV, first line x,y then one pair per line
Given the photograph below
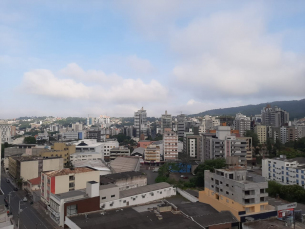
x,y
29,217
151,176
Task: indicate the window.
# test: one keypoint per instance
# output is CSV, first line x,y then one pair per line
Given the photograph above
x,y
72,210
227,193
112,196
124,201
71,185
262,199
104,198
227,185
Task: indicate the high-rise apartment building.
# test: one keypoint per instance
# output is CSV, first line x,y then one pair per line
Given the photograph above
x,y
152,154
181,125
77,126
170,144
5,130
242,123
261,131
140,122
166,121
274,116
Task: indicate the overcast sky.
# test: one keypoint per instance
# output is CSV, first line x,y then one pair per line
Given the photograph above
x,y
75,57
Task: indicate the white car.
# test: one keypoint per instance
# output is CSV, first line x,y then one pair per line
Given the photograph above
x,y
25,199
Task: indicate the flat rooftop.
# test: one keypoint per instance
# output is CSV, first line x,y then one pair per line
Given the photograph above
x,y
144,189
111,178
68,171
70,194
32,158
128,218
93,164
266,224
103,187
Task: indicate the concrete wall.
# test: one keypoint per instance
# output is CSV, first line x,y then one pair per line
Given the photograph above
x,y
105,194
61,184
52,164
132,182
81,179
28,170
140,198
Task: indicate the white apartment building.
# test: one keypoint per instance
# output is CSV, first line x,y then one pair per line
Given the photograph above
x,y
170,145
88,156
72,135
108,145
5,130
284,171
242,123
90,145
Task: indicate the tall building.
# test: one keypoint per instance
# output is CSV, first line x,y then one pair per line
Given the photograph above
x,y
152,154
140,122
91,121
181,125
235,190
5,130
166,121
192,145
261,131
274,116
242,123
170,144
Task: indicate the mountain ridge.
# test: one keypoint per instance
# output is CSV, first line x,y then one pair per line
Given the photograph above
x,y
296,109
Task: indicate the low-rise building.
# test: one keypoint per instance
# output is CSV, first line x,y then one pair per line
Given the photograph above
x,y
125,180
65,180
33,185
118,152
29,167
88,156
59,149
98,165
284,171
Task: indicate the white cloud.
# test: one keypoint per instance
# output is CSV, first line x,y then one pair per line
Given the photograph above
x,y
124,91
232,55
142,66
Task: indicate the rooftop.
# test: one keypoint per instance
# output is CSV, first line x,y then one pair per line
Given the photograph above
x,y
35,181
103,187
68,171
266,224
70,194
93,164
144,189
111,178
85,153
128,218
124,164
32,158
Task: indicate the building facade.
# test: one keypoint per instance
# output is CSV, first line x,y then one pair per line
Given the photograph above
x,y
140,122
242,123
152,154
236,191
170,145
261,131
5,130
65,180
166,121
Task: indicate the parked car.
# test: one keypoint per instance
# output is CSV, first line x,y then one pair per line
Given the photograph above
x,y
7,180
183,177
25,199
155,170
15,189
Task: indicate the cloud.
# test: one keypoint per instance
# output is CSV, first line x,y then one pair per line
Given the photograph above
x,y
45,83
141,66
232,55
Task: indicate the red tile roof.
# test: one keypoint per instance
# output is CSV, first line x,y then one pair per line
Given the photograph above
x,y
35,181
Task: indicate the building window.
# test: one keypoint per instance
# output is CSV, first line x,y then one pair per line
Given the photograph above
x,y
72,210
104,198
112,196
71,185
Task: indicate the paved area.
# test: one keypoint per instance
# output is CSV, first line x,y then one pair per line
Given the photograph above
x,y
29,217
151,176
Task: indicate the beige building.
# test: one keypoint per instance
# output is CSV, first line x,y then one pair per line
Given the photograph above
x,y
248,146
152,154
65,180
170,144
29,167
59,149
261,131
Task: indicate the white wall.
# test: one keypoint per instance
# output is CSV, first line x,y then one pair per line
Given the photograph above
x,y
139,199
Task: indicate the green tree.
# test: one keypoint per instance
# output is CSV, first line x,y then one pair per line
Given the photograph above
x,y
158,137
211,165
253,135
29,140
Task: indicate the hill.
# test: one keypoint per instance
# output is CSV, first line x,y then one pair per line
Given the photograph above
x,y
296,109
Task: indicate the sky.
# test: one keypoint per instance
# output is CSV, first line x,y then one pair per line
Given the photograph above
x,y
100,57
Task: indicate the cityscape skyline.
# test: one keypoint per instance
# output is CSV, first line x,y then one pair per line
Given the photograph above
x,y
114,57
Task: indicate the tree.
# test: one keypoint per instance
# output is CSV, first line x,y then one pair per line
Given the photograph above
x,y
253,135
69,165
211,165
165,170
158,137
29,140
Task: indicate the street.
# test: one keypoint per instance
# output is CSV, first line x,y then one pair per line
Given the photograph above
x,y
29,217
